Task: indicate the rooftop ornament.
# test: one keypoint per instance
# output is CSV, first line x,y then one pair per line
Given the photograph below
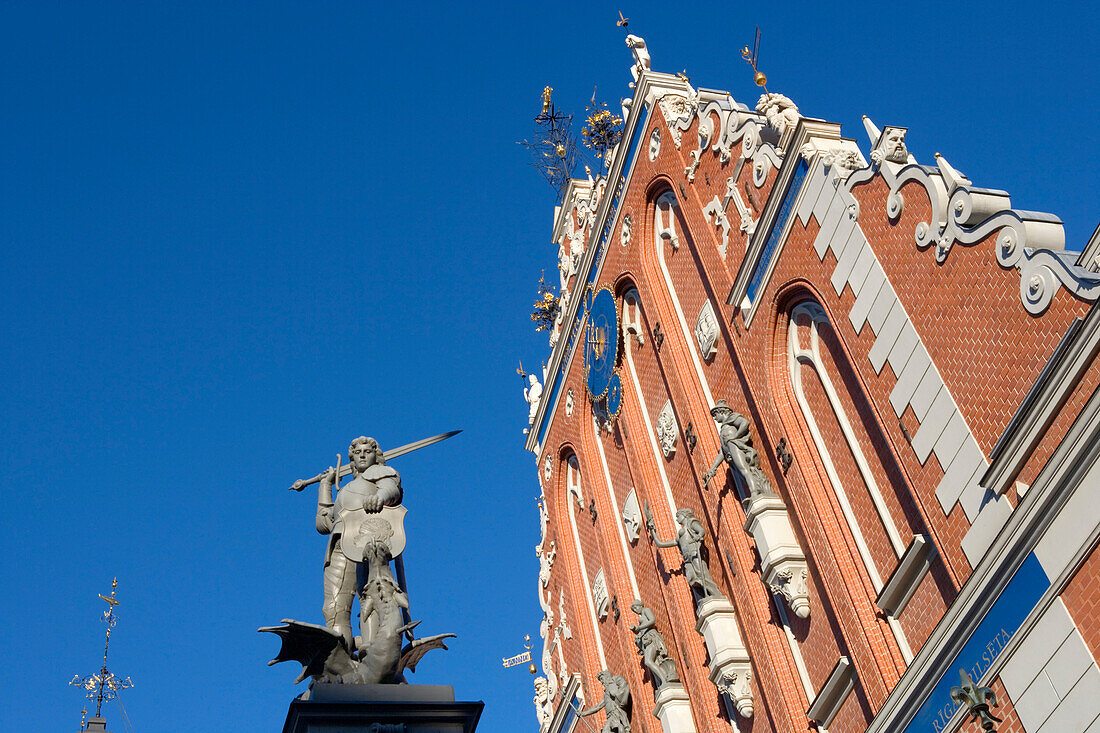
x,y
554,151
603,130
104,685
546,307
751,58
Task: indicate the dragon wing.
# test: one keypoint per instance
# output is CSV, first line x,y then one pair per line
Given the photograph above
x,y
415,651
316,648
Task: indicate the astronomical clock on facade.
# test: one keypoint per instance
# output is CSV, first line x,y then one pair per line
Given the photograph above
x,y
817,438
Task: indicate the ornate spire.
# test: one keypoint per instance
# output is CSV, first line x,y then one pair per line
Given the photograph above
x,y
104,685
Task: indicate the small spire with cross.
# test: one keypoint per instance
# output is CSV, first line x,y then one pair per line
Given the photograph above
x,y
104,685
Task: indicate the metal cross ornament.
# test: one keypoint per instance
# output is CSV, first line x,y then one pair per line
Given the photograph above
x,y
104,685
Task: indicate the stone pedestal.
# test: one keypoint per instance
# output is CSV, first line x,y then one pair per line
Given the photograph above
x,y
782,564
329,708
673,708
730,669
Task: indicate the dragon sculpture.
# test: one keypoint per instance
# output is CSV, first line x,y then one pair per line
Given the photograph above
x,y
376,658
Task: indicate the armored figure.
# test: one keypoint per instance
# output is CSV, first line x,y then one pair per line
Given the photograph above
x,y
689,540
738,451
651,645
374,485
616,703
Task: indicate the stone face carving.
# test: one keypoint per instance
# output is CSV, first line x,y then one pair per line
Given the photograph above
x,y
891,146
632,517
532,393
842,161
690,542
544,710
667,430
737,450
676,108
706,331
637,47
616,703
655,143
600,596
651,645
780,111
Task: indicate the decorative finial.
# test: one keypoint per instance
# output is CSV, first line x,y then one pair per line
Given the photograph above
x,y
104,685
622,22
751,58
546,92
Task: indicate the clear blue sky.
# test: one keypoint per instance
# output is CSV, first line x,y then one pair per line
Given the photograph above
x,y
236,235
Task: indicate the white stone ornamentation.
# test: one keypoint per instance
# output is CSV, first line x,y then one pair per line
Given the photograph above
x,y
546,562
626,233
672,706
655,143
632,517
569,402
667,430
780,112
664,220
642,62
715,213
600,597
533,394
678,111
782,563
891,146
730,667
706,331
705,133
544,708
547,468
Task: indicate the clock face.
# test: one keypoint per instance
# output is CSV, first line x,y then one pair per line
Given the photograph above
x,y
601,346
614,396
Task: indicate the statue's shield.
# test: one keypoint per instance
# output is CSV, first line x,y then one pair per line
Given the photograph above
x,y
361,528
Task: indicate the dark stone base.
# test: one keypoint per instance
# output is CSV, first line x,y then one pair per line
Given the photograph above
x,y
327,708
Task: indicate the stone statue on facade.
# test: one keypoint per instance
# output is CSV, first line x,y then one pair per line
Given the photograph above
x,y
616,703
532,393
689,540
637,47
780,112
365,527
735,432
651,645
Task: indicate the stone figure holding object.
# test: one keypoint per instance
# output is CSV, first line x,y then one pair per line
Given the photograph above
x,y
374,485
734,430
651,645
616,703
689,540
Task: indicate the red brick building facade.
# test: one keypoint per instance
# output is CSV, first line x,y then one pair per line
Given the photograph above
x,y
911,488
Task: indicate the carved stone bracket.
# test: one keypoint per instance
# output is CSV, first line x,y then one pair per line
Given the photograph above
x,y
673,708
730,667
782,565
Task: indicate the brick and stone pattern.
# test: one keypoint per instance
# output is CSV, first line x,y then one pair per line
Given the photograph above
x,y
895,442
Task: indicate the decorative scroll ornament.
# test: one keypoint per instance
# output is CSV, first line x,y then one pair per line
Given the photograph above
x,y
667,430
1031,242
715,213
706,331
977,701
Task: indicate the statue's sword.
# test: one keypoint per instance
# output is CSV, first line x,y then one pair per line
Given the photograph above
x,y
388,455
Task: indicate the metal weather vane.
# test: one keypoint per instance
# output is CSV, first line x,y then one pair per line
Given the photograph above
x,y
521,658
104,685
751,58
